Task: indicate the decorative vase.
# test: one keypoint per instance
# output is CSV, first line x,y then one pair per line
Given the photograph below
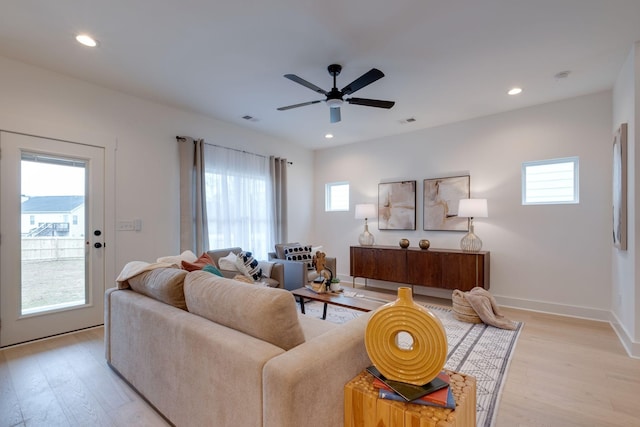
x,y
404,243
405,341
424,244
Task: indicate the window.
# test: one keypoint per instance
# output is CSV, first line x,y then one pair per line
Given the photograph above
x,y
238,200
552,181
336,197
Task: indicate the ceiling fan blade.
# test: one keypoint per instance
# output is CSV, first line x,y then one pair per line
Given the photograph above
x,y
305,83
334,114
288,107
371,102
366,79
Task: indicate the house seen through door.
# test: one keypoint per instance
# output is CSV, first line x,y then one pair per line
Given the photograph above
x,y
51,247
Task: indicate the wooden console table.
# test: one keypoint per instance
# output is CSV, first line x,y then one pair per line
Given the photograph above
x,y
437,268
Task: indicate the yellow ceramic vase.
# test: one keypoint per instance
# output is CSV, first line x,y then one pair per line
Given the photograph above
x,y
405,341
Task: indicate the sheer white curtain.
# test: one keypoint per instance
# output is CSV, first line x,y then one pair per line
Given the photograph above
x,y
239,201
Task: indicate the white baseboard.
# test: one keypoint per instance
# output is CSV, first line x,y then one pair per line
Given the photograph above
x,y
553,308
633,348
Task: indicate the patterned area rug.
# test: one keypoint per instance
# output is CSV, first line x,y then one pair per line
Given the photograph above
x,y
475,349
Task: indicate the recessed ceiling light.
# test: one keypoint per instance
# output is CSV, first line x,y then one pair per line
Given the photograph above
x,y
329,136
86,40
514,91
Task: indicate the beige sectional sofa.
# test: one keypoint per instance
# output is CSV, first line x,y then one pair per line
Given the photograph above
x,y
235,354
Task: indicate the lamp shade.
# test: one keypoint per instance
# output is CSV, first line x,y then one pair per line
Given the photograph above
x,y
367,210
473,208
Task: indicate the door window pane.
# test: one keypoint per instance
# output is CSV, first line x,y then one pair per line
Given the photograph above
x,y
52,249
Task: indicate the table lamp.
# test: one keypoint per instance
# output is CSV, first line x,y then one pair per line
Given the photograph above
x,y
472,208
366,211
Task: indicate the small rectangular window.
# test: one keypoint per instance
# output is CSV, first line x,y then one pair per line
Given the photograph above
x,y
552,181
336,196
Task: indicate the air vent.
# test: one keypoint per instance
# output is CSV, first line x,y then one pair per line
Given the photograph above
x,y
409,120
250,118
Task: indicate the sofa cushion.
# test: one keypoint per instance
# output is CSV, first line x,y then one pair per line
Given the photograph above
x,y
248,265
299,253
265,313
162,284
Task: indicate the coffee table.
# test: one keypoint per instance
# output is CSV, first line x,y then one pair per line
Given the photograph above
x,y
363,300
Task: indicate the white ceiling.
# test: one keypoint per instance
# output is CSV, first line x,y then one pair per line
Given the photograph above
x,y
444,60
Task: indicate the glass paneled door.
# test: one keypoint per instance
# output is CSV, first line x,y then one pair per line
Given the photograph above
x,y
51,237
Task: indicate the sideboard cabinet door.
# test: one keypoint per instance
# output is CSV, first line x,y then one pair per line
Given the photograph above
x,y
424,268
464,271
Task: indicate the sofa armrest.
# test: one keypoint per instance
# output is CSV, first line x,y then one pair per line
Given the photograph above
x,y
310,378
295,273
277,273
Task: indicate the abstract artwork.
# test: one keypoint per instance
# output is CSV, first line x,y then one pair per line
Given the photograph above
x,y
397,205
620,188
441,198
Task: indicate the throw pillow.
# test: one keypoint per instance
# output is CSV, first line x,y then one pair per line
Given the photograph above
x,y
212,269
299,253
198,264
228,262
248,265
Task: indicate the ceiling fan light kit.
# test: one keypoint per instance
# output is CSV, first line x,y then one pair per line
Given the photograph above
x,y
335,98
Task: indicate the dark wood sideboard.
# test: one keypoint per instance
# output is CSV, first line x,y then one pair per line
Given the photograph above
x,y
436,268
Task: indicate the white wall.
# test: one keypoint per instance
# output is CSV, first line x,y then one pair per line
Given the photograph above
x,y
625,289
142,179
553,258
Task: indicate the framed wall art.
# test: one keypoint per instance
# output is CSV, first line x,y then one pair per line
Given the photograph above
x,y
620,188
397,205
441,197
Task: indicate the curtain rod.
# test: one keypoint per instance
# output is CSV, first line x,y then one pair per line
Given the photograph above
x,y
232,149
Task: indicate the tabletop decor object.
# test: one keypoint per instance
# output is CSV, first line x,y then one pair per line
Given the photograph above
x,y
366,211
405,341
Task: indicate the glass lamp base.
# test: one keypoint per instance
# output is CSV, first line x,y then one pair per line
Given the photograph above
x,y
366,238
470,243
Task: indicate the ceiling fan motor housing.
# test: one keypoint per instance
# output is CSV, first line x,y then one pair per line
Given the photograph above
x,y
334,69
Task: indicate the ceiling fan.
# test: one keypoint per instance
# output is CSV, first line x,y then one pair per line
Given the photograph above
x,y
335,98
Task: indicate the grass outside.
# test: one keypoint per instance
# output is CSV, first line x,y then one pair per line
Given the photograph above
x,y
47,283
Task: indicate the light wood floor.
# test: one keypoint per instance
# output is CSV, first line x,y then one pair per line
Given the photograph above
x,y
565,372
